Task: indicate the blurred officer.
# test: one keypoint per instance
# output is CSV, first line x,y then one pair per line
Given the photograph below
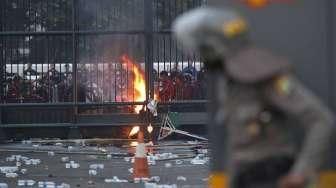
x,y
266,128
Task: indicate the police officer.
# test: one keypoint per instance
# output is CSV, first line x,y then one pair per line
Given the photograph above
x,y
275,131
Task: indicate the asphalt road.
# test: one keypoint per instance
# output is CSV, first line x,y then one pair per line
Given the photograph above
x,y
179,171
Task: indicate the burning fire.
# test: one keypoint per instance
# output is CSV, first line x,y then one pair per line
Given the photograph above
x,y
134,131
139,82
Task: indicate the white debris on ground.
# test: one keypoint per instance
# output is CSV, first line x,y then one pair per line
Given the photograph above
x,y
154,179
65,159
200,159
115,179
181,178
93,172
168,165
94,169
50,184
23,170
10,171
11,175
164,159
72,164
26,182
154,185
96,166
164,156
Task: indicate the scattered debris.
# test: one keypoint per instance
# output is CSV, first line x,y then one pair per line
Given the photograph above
x,y
51,153
154,179
93,172
200,159
8,169
178,162
130,170
11,175
181,178
72,164
96,166
65,159
59,144
115,179
26,141
168,165
23,171
154,185
26,182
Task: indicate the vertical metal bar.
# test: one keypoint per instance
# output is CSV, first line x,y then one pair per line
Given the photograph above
x,y
2,72
148,29
74,60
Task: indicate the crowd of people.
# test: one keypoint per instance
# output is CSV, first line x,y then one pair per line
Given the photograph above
x,y
33,86
187,84
54,85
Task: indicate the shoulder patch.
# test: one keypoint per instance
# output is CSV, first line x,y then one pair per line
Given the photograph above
x,y
283,85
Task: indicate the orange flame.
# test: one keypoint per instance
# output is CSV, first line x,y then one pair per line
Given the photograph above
x,y
139,82
134,131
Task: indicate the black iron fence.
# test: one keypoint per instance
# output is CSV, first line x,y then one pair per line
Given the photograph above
x,y
78,51
66,57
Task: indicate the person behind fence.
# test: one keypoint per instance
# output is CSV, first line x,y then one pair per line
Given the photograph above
x,y
166,87
278,131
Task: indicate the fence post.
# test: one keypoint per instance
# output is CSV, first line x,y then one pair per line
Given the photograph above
x,y
74,61
148,34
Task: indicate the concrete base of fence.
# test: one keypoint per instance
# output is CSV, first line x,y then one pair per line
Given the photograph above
x,y
3,136
74,133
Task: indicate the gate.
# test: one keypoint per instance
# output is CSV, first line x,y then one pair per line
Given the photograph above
x,y
75,62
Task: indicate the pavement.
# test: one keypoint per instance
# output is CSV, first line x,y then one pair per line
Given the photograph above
x,y
177,164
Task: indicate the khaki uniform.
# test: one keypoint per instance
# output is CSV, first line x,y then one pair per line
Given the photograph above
x,y
269,114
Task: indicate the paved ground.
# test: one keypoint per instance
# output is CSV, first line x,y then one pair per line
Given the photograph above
x,y
53,169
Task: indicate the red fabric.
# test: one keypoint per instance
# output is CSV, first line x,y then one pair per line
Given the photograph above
x,y
166,90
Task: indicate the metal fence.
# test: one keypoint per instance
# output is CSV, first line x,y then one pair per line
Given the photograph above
x,y
48,47
87,57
